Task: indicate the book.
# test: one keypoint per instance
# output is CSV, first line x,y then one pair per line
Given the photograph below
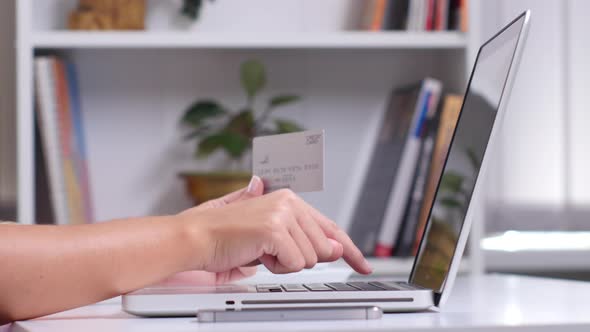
x,y
61,136
430,14
421,15
441,19
45,93
375,15
464,15
44,210
407,233
417,15
81,157
72,185
413,14
446,127
398,15
370,207
457,16
379,12
401,187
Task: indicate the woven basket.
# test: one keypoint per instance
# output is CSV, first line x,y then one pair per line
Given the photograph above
x,y
108,15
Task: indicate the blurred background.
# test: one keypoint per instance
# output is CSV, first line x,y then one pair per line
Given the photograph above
x,y
124,108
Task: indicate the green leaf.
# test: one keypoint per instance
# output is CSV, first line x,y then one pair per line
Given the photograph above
x,y
253,77
234,144
199,132
191,8
451,182
207,146
451,202
282,100
286,126
201,110
242,123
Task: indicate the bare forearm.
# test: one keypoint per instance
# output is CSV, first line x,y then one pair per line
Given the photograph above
x,y
47,269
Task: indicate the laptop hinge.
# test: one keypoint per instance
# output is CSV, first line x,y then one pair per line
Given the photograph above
x,y
437,297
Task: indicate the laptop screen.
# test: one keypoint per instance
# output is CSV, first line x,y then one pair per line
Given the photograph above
x,y
461,168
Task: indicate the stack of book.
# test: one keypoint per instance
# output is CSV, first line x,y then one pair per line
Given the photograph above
x,y
63,167
415,15
407,161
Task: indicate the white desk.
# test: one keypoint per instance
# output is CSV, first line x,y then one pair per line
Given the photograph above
x,y
487,303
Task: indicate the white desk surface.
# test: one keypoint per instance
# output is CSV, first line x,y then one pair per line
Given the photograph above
x,y
486,303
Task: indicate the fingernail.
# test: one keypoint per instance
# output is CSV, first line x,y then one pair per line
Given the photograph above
x,y
253,185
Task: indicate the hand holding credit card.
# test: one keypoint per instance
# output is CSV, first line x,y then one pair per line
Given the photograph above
x,y
294,161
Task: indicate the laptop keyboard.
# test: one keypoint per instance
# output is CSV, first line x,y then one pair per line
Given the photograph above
x,y
356,286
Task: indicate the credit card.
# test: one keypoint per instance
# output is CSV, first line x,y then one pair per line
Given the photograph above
x,y
294,161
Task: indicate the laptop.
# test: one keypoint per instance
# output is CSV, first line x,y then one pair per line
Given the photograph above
x,y
445,235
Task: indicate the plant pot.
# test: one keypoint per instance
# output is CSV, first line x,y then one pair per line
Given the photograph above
x,y
108,15
206,186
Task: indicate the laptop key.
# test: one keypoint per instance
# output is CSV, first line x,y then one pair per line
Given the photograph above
x,y
342,287
317,287
365,286
294,288
386,285
267,288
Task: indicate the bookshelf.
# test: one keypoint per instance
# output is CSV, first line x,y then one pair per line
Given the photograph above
x,y
176,40
135,85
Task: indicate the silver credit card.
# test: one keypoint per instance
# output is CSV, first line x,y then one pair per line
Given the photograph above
x,y
294,161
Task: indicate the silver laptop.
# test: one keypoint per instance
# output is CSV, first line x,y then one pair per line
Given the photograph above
x,y
443,241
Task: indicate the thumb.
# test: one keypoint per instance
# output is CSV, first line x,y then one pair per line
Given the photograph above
x,y
255,188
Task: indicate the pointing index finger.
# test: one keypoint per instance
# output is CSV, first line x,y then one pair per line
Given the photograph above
x,y
352,254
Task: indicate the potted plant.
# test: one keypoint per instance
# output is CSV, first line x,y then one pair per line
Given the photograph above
x,y
191,8
215,128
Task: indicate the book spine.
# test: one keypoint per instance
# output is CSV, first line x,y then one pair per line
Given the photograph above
x,y
421,21
438,15
444,15
464,16
454,20
379,15
372,202
47,117
401,13
387,23
367,19
413,15
446,127
398,197
65,128
430,10
404,178
80,155
406,239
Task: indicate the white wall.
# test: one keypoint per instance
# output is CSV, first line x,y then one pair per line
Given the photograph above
x,y
7,103
579,72
544,155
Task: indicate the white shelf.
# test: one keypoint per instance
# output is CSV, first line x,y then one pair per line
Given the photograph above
x,y
536,260
334,40
537,251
